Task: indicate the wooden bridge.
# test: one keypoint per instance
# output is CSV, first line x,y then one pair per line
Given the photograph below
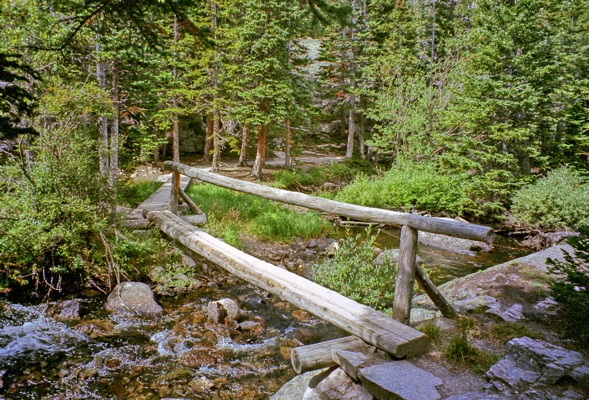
x,y
392,335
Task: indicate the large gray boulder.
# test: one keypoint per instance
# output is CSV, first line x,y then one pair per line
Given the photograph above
x,y
133,299
337,386
531,366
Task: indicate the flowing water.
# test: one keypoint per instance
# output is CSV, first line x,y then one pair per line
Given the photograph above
x,y
180,355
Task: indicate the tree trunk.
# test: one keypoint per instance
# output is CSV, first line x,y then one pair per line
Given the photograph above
x,y
245,133
175,130
351,122
216,164
209,135
260,153
102,121
287,157
114,130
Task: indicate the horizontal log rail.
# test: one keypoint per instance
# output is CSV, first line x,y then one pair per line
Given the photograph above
x,y
369,214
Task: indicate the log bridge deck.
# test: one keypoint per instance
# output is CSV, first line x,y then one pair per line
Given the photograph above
x,y
392,335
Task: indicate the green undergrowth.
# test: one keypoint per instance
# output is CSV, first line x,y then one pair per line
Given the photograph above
x,y
297,178
130,193
229,214
352,273
412,186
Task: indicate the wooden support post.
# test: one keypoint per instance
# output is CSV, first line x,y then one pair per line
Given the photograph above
x,y
174,192
195,209
405,275
318,355
434,294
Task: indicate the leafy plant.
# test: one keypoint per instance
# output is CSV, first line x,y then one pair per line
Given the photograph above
x,y
412,186
558,201
571,288
352,273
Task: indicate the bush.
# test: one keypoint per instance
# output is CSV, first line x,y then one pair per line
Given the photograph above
x,y
296,178
558,201
352,273
412,186
571,289
130,193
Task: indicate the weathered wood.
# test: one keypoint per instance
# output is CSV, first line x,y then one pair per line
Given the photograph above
x,y
434,294
137,223
174,192
352,361
372,326
405,275
433,225
318,355
199,219
195,209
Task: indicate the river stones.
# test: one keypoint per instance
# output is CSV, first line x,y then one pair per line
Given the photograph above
x,y
220,310
134,299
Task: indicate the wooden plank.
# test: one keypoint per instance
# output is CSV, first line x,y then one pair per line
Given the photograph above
x,y
318,355
174,192
405,275
195,209
371,326
434,294
419,222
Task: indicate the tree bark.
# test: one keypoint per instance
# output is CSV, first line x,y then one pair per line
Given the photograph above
x,y
114,130
102,120
216,163
260,153
244,147
318,355
209,135
405,275
287,157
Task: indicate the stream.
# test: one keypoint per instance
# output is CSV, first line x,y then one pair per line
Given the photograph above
x,y
181,355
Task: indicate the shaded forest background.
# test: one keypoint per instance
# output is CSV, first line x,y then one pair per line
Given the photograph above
x,y
460,105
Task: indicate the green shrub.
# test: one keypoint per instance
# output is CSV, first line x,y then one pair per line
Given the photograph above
x,y
352,273
558,201
570,289
412,186
294,179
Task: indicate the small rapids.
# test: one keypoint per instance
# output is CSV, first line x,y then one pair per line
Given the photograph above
x,y
181,355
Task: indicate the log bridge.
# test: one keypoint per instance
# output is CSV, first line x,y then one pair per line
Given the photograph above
x,y
393,335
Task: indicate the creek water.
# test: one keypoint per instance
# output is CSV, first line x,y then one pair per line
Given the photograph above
x,y
180,355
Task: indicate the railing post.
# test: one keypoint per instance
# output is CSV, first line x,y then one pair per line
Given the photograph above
x,y
175,192
405,275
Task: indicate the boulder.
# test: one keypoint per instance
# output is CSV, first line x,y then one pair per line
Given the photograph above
x,y
532,365
295,388
220,310
68,310
134,299
391,255
337,386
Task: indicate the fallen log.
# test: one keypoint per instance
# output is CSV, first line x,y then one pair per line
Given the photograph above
x,y
318,355
428,224
371,326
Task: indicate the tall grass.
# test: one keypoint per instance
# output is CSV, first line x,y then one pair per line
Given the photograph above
x,y
229,213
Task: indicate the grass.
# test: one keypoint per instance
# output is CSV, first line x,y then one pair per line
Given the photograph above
x,y
130,193
432,331
230,213
505,331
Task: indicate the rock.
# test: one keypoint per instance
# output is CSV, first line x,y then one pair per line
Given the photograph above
x,y
337,386
533,363
352,361
295,388
455,245
68,310
332,249
200,384
480,395
218,310
312,244
512,314
391,255
399,380
197,358
421,315
133,298
462,306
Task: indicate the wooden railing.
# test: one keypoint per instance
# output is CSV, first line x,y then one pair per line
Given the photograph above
x,y
408,270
